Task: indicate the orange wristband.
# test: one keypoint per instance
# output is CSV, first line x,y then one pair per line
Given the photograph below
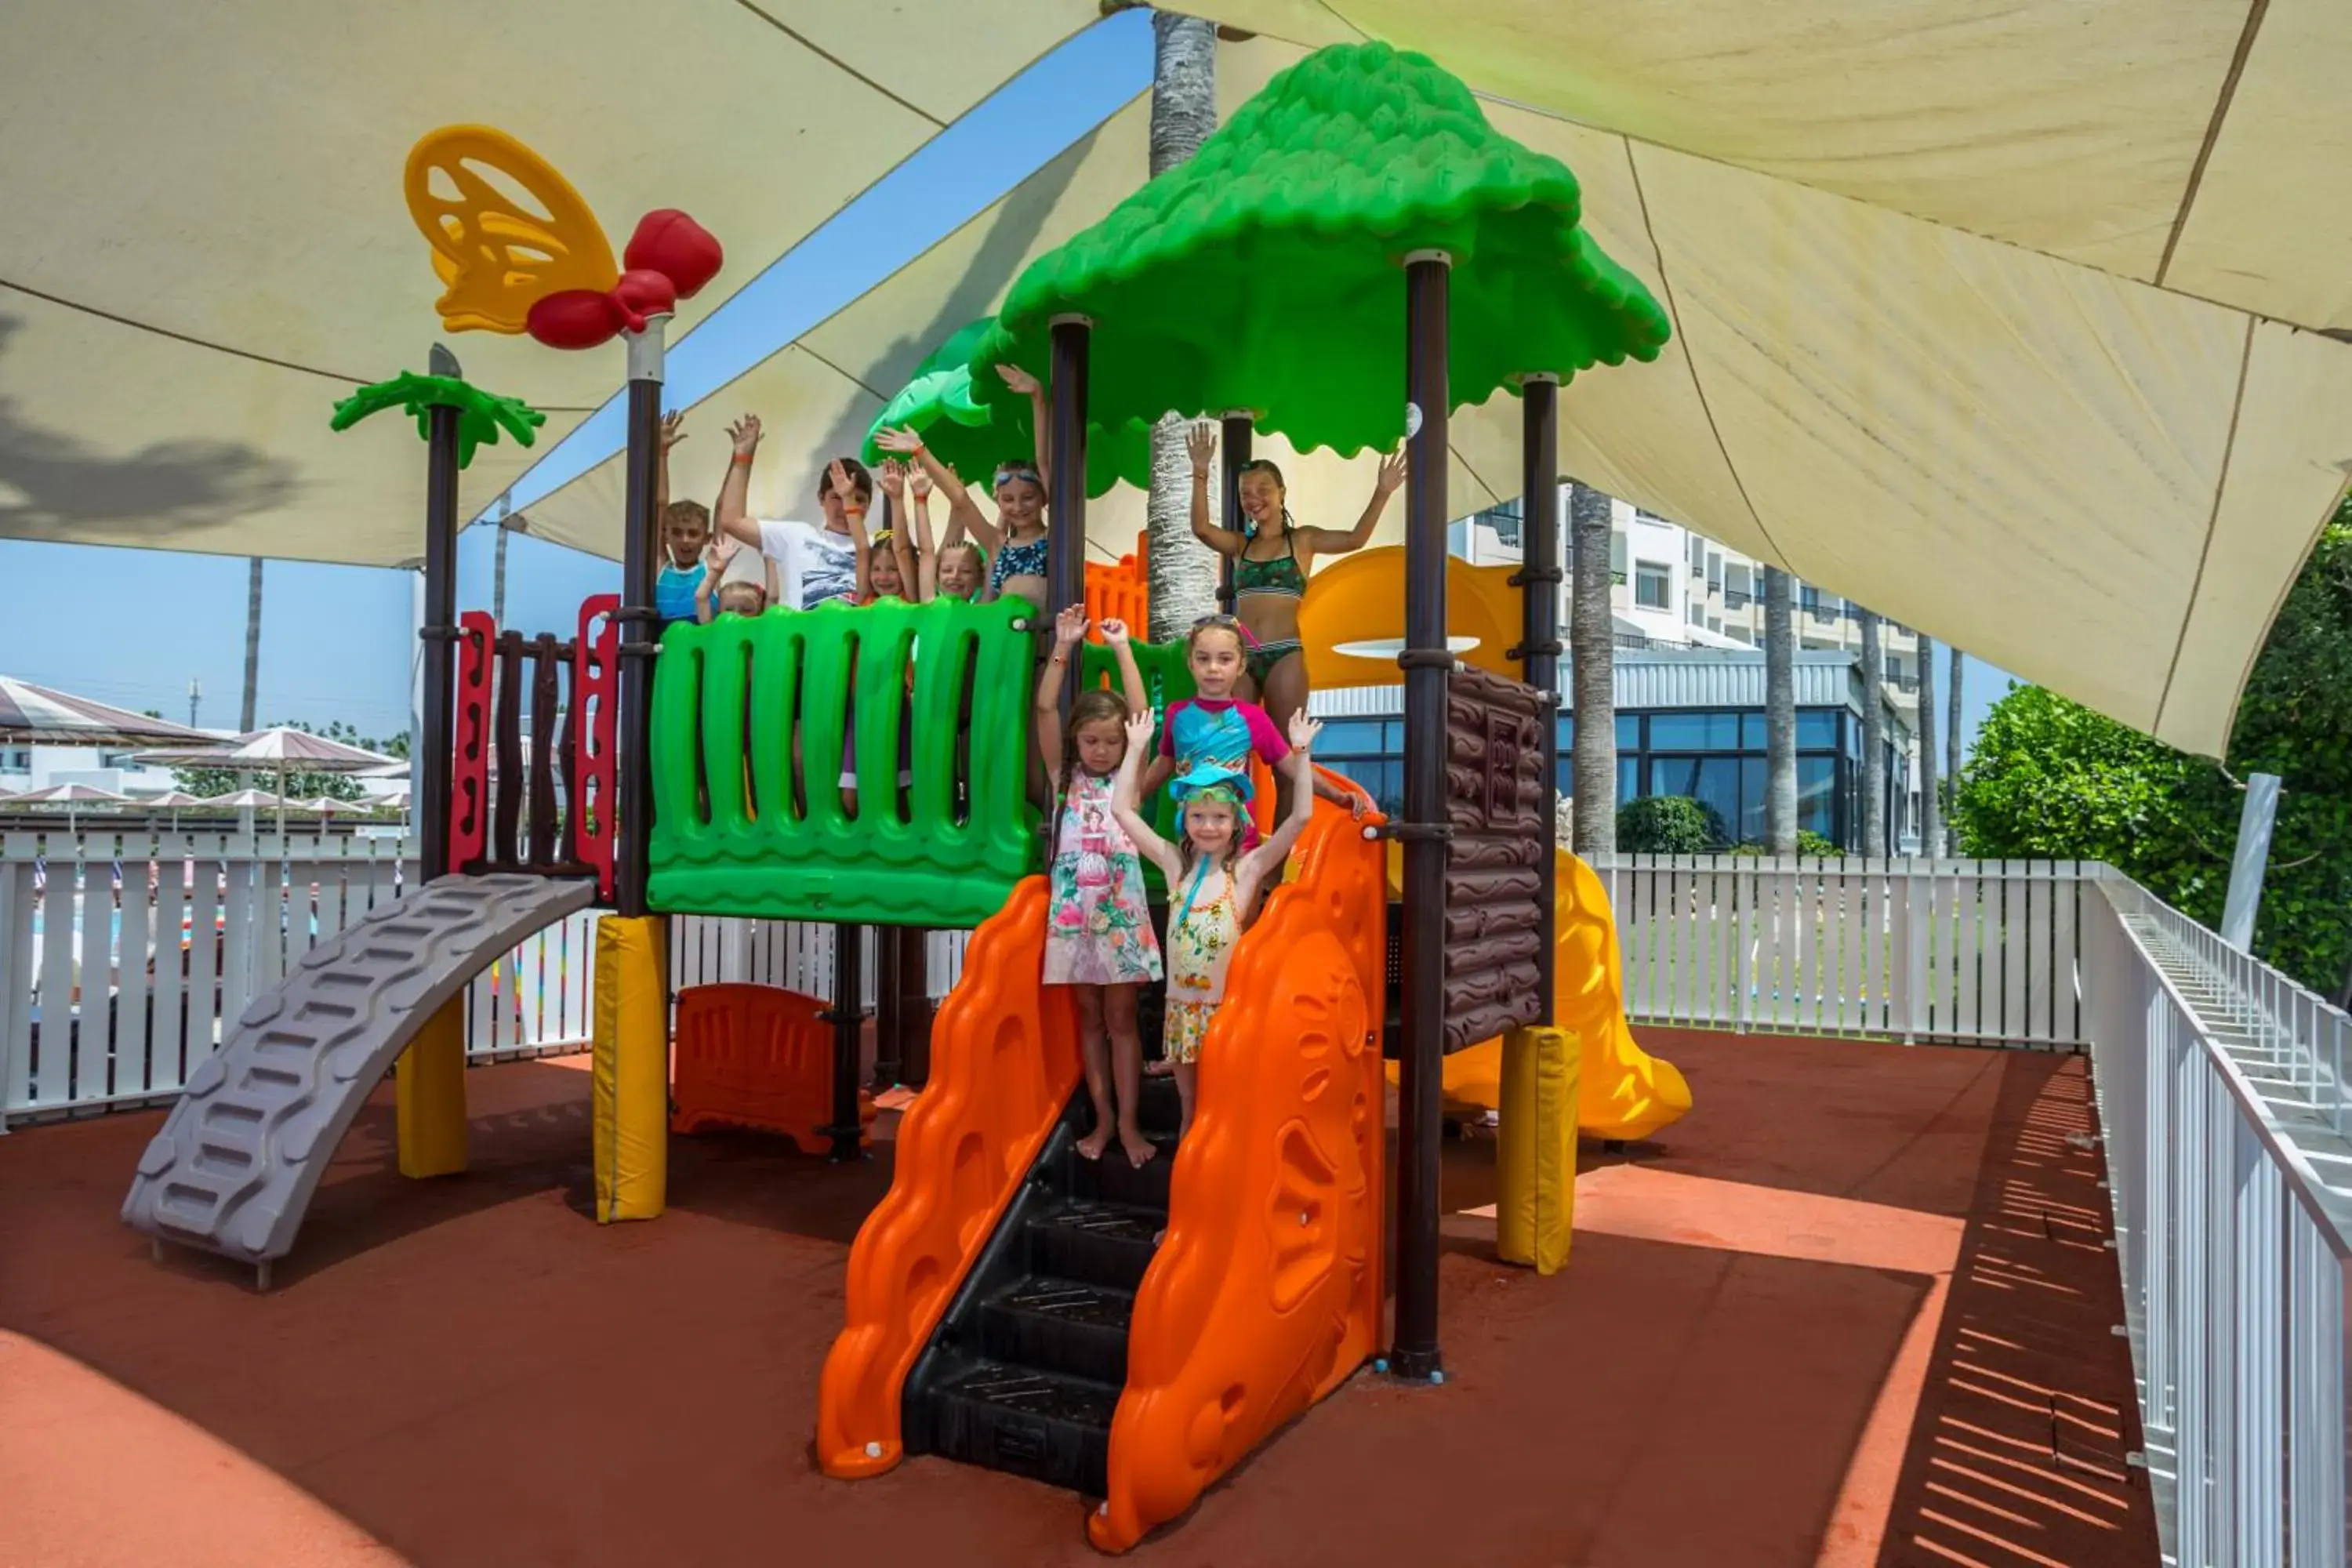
x,y
742,456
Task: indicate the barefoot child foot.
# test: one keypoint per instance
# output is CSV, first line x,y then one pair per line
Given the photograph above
x,y
1139,1148
1092,1145
1159,1067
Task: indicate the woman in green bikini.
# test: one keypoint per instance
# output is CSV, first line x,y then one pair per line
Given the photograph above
x,y
1272,556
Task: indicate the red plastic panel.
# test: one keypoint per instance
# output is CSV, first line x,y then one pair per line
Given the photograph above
x,y
589,772
756,1055
469,769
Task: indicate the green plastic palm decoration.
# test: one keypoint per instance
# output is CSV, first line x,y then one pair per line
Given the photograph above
x,y
480,414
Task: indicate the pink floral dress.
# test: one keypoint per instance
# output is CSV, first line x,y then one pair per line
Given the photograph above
x,y
1097,931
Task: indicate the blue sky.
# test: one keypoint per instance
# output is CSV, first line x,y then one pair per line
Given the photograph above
x,y
134,626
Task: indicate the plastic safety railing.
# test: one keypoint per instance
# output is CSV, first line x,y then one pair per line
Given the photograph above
x,y
1265,1295
751,718
1004,1062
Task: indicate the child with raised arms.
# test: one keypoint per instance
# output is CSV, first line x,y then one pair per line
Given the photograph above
x,y
1098,940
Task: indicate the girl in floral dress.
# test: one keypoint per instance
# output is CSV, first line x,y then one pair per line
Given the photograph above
x,y
1098,940
1211,881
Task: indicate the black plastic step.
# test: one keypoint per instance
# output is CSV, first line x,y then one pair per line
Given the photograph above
x,y
1044,1426
1063,1326
1100,1243
1113,1179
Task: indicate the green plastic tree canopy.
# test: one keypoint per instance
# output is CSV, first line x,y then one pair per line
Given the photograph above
x,y
1266,272
972,437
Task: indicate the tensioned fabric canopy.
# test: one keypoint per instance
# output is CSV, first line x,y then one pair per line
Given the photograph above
x,y
1916,357
206,243
2001,320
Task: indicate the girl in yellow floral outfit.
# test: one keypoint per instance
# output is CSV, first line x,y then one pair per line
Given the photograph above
x,y
1210,882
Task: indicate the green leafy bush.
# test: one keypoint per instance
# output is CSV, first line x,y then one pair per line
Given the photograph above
x,y
1667,825
2051,779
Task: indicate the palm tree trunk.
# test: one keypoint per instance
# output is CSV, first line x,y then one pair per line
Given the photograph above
x,y
1873,733
1931,814
1592,665
1779,714
252,644
1182,574
1952,753
498,582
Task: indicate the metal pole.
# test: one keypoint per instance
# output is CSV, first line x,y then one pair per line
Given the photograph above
x,y
889,1006
2252,859
848,1026
1239,431
1425,662
633,817
1538,581
1065,553
430,770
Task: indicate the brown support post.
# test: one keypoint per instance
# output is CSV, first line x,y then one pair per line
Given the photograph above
x,y
507,789
1066,551
1538,581
915,1007
1425,661
434,762
848,1031
1238,434
546,742
632,837
889,1006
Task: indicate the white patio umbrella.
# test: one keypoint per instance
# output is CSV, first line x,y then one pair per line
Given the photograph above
x,y
172,800
70,795
328,805
250,800
281,747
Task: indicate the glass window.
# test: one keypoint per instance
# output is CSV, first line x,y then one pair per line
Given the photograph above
x,y
1617,552
1652,585
1694,731
1817,795
1752,774
1629,731
1817,728
1351,738
1629,779
1751,732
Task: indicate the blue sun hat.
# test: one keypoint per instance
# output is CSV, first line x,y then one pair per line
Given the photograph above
x,y
1208,781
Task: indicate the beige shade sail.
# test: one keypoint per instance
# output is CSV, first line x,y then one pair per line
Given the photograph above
x,y
2013,443
206,241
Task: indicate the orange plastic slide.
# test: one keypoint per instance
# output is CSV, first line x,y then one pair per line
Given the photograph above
x,y
1266,1293
1004,1062
1626,1092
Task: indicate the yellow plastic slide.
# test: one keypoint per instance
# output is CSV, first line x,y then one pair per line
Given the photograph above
x,y
1626,1093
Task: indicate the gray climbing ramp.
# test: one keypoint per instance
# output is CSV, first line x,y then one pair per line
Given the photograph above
x,y
235,1165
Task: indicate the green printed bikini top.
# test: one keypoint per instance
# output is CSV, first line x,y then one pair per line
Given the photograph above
x,y
1281,575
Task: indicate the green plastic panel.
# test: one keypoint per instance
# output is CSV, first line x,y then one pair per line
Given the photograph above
x,y
725,697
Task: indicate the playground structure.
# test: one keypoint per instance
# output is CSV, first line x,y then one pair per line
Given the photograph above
x,y
1006,1303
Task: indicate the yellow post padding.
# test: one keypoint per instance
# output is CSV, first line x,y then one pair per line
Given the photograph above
x,y
632,1070
429,1092
1535,1154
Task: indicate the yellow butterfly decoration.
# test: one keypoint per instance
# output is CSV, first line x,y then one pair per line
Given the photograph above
x,y
498,258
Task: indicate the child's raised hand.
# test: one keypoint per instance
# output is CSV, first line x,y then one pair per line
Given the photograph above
x,y
920,484
838,478
1138,730
905,442
673,428
1200,445
1303,731
720,552
1019,380
894,479
1069,627
1114,632
1391,474
745,433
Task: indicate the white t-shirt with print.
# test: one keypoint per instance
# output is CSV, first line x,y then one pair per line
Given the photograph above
x,y
813,563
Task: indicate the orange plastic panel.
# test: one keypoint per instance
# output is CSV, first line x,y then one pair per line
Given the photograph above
x,y
1360,598
1266,1293
1004,1062
1121,593
756,1055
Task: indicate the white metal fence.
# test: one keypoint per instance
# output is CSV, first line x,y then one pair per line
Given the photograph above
x,y
1917,949
162,938
2226,1165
